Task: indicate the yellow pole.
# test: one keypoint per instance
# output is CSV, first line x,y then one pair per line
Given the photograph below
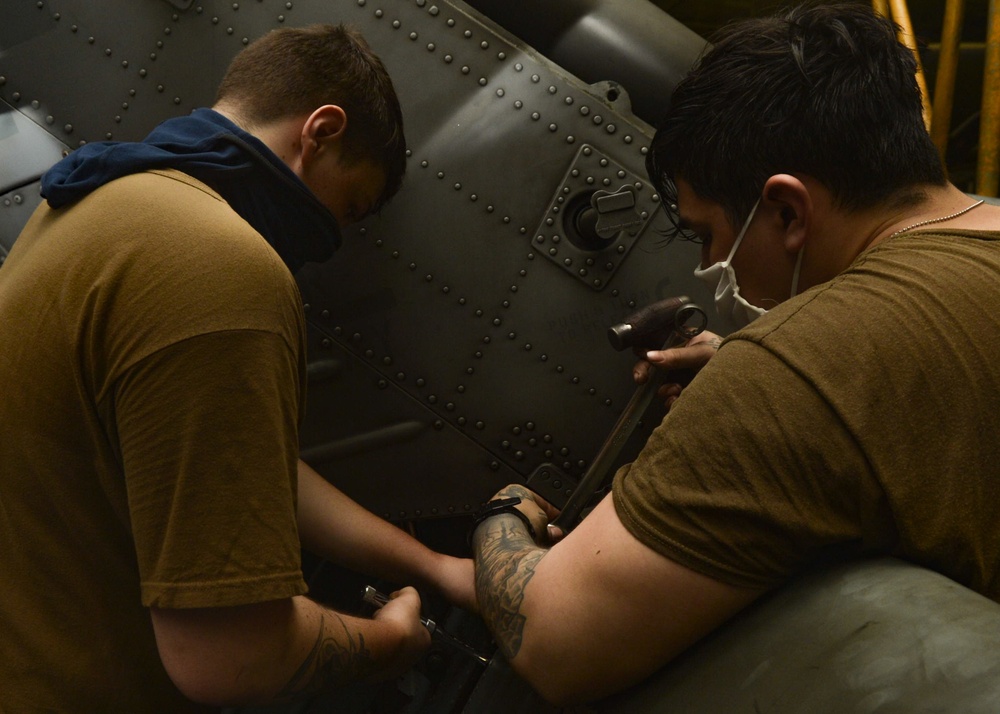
x,y
944,83
881,7
901,15
989,118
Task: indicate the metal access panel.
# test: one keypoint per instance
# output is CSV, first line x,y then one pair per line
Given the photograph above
x,y
458,340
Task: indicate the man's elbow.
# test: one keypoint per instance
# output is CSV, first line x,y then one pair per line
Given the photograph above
x,y
560,679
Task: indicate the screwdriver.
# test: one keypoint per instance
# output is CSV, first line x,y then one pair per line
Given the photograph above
x,y
377,599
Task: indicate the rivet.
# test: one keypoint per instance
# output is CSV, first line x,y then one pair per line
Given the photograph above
x,y
486,340
603,162
458,187
361,3
421,3
474,197
518,67
177,100
424,164
482,81
326,343
468,34
450,23
229,30
400,376
288,6
378,14
35,104
125,105
553,127
421,382
588,151
432,399
505,444
568,100
152,56
412,266
518,104
461,421
74,28
433,10
68,128
413,35
90,40
480,425
628,139
465,69
50,119
606,182
18,199
535,78
430,47
382,384
448,59
450,406
501,56
598,119
56,17
281,18
440,174
570,139
236,6
215,20
484,44
489,209
429,278
536,116
513,288
552,89
445,289
527,347
610,128
584,111
369,353
107,52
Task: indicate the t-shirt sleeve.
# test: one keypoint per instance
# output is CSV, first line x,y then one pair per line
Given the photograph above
x,y
738,482
207,429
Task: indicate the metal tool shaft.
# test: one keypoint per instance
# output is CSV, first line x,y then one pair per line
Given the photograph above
x,y
599,471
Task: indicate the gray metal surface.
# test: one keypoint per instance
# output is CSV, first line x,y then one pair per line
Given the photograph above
x,y
879,636
457,342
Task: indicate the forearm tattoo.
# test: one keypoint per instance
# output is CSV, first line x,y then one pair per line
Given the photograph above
x,y
331,662
506,558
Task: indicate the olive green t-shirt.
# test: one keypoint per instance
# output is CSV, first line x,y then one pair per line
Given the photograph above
x,y
860,417
153,364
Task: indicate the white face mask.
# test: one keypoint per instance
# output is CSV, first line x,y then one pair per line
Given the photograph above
x,y
722,276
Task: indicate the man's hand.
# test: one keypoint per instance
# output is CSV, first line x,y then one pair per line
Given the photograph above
x,y
539,511
693,355
403,613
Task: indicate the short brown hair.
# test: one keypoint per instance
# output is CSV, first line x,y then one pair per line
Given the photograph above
x,y
295,70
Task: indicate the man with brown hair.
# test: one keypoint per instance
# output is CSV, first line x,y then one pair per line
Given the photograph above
x,y
152,340
854,414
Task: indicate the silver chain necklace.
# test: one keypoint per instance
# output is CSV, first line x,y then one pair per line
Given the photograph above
x,y
937,220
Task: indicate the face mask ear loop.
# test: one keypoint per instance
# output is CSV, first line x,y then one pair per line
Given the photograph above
x,y
743,232
795,273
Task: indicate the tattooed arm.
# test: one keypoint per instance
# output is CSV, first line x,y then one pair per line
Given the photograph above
x,y
597,611
276,651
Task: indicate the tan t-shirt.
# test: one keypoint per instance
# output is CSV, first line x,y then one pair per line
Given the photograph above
x,y
153,361
862,416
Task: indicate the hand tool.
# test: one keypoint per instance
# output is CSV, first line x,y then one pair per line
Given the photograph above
x,y
378,599
673,321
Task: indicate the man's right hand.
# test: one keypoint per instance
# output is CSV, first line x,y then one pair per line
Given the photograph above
x,y
693,355
403,613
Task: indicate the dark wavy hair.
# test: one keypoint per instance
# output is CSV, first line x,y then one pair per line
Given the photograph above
x,y
291,71
822,90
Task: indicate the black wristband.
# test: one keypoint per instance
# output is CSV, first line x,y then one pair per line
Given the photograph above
x,y
500,506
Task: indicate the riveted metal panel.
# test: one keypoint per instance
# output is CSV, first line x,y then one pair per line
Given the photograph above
x,y
451,351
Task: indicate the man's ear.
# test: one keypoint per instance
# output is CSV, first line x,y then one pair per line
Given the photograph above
x,y
322,131
794,206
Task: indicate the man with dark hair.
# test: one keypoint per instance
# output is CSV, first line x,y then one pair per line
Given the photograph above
x,y
152,342
856,415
